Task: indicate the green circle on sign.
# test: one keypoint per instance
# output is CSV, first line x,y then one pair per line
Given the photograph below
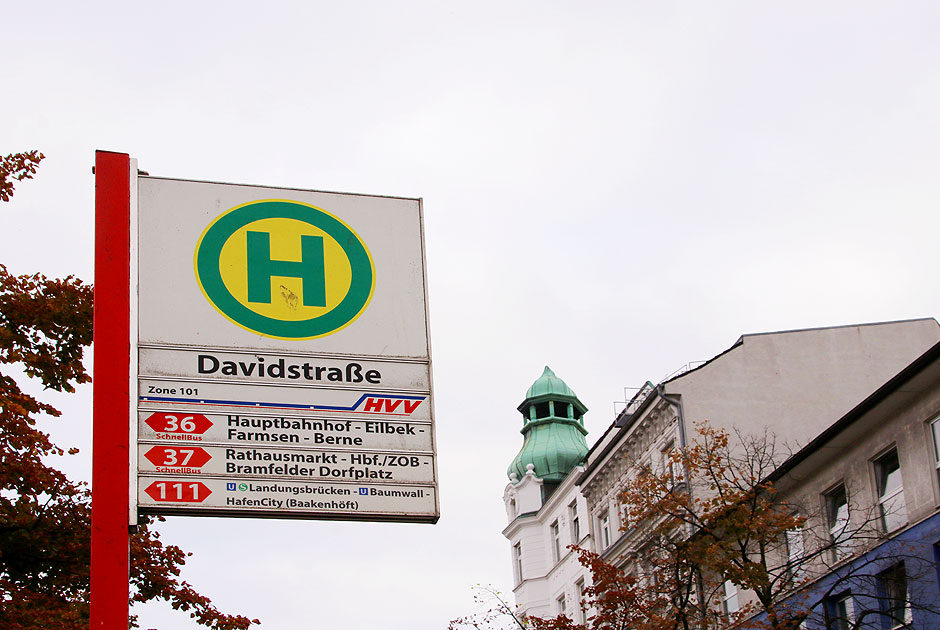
x,y
208,268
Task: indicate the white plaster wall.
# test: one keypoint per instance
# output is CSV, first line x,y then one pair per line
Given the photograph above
x,y
564,574
544,579
527,495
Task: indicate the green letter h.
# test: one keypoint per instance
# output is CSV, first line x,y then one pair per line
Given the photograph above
x,y
310,269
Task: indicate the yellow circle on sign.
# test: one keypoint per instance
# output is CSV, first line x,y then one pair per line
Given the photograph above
x,y
286,292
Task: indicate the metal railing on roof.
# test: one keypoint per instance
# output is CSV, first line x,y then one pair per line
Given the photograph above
x,y
688,367
629,405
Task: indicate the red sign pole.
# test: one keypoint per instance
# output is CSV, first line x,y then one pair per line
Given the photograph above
x,y
110,441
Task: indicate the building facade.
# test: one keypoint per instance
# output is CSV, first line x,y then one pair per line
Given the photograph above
x,y
546,513
870,490
793,384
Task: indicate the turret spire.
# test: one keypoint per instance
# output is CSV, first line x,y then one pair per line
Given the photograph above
x,y
553,426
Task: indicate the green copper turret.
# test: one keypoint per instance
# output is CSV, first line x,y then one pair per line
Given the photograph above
x,y
553,426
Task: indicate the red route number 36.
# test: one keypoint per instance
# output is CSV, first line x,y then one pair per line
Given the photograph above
x,y
192,424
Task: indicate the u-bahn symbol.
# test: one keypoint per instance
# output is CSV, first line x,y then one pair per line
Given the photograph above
x,y
284,269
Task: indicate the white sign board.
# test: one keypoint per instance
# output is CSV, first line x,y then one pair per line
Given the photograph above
x,y
283,362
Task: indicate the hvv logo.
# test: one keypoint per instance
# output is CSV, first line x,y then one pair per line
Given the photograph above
x,y
388,405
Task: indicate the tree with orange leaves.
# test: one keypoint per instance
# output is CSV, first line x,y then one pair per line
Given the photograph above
x,y
45,519
15,168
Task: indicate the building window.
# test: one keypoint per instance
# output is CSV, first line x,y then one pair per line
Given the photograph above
x,y
647,574
513,509
795,553
837,511
560,604
729,598
575,522
841,612
890,491
517,561
935,432
672,468
556,541
579,587
892,592
604,527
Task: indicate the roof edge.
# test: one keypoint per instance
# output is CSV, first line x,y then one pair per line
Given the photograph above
x,y
798,330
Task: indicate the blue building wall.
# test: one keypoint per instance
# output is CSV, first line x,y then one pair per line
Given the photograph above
x,y
864,578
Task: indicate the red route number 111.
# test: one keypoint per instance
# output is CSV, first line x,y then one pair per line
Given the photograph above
x,y
178,491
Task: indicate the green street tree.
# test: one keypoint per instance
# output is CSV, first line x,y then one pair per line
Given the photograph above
x,y
45,519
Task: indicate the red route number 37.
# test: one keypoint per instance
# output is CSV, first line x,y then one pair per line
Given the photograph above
x,y
176,457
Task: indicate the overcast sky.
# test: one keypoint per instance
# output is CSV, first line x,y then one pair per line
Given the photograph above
x,y
610,188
